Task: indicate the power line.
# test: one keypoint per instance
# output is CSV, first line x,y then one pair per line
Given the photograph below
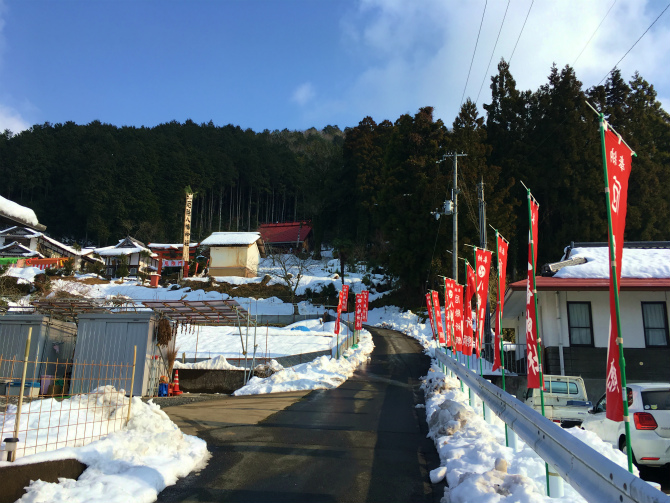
x,y
524,25
594,33
492,52
475,51
631,48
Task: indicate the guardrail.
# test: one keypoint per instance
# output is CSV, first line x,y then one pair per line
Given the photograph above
x,y
592,475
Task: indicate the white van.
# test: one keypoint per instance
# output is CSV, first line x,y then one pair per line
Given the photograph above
x,y
565,400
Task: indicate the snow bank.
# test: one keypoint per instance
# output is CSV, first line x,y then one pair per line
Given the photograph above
x,y
636,263
25,274
132,464
216,363
322,373
14,210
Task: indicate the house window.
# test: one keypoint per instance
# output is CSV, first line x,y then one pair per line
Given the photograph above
x,y
133,270
655,319
580,323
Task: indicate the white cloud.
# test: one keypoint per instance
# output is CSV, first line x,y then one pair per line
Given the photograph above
x,y
304,94
418,53
12,120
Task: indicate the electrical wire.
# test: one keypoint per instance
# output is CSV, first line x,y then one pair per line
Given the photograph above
x,y
519,37
475,51
631,48
493,52
594,33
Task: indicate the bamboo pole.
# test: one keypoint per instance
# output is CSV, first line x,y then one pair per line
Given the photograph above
x,y
622,361
132,383
17,422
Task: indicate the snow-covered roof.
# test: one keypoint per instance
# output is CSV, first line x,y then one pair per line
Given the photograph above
x,y
231,239
61,245
169,246
126,246
19,250
16,211
637,263
22,231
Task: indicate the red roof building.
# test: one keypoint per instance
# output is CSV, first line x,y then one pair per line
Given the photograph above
x,y
287,235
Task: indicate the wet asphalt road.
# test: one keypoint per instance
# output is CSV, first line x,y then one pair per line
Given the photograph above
x,y
363,441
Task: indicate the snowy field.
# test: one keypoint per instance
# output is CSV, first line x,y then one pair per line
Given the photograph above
x,y
469,447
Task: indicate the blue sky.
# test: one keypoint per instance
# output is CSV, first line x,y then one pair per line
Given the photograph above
x,y
299,63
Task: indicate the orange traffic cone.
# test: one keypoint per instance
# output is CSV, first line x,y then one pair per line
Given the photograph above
x,y
176,390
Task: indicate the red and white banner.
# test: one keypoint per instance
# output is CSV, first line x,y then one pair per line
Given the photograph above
x,y
343,299
532,360
360,308
429,307
449,287
458,317
483,267
337,323
618,158
502,278
173,263
438,317
367,305
468,338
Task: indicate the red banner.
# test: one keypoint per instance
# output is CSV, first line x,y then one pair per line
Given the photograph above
x,y
438,317
618,159
532,361
360,308
429,307
483,267
458,317
337,323
468,339
343,300
367,305
502,278
449,287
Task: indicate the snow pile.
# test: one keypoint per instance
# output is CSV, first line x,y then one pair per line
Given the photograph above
x,y
132,464
636,263
322,373
478,466
24,274
216,363
18,212
231,239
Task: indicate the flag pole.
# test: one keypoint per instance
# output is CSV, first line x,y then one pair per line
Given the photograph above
x,y
432,308
537,333
622,361
499,320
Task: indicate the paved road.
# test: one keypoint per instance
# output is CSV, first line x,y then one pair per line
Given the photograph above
x,y
364,441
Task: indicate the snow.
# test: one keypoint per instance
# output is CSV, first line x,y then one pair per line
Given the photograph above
x,y
469,448
323,373
26,274
216,363
134,462
112,251
636,263
14,210
231,238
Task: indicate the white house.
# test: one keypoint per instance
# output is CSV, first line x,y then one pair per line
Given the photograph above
x,y
574,309
140,258
234,253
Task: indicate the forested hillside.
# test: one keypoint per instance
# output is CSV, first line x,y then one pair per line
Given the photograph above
x,y
368,189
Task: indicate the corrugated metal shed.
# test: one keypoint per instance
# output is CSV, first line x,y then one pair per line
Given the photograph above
x,y
110,338
51,340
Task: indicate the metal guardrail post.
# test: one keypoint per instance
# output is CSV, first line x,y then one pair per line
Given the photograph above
x,y
591,474
22,390
132,383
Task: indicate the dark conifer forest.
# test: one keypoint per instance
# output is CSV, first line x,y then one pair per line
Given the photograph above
x,y
369,189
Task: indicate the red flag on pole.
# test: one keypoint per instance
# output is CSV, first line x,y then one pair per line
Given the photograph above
x,y
337,322
618,161
344,298
438,317
449,286
502,278
367,305
360,308
482,266
429,307
532,360
467,312
458,317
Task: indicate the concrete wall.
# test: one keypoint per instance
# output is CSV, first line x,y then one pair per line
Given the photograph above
x,y
234,260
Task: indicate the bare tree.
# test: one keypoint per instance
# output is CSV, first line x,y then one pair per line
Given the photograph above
x,y
290,269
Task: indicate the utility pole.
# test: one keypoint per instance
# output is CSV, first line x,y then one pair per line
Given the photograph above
x,y
482,214
455,217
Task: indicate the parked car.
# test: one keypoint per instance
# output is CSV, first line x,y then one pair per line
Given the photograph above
x,y
649,406
565,400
